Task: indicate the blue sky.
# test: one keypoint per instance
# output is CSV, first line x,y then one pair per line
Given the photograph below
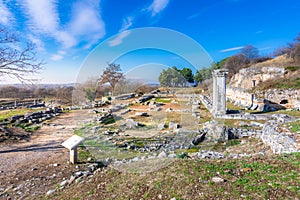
x,y
66,32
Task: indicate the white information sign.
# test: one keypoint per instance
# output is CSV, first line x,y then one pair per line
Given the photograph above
x,y
72,142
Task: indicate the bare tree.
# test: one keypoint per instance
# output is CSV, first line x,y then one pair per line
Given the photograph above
x,y
17,63
235,63
250,53
111,75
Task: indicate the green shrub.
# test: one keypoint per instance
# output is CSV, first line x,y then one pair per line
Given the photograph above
x,y
292,68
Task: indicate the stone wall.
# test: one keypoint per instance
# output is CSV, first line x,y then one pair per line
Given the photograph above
x,y
264,101
271,135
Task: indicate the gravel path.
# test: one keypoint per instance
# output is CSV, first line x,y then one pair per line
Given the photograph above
x,y
25,160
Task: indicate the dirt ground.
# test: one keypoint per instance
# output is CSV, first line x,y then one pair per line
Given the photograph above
x,y
32,167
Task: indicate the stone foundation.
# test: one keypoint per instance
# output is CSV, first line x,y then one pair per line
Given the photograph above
x,y
264,101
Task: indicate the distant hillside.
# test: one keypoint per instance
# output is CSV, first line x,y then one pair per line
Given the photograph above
x,y
46,85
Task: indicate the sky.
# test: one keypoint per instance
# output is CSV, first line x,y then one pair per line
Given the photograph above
x,y
72,36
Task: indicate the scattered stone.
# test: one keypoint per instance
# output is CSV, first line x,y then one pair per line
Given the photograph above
x,y
162,154
169,109
80,173
198,139
158,109
173,125
50,192
161,126
89,159
130,123
144,98
125,112
217,179
142,114
63,183
207,155
72,179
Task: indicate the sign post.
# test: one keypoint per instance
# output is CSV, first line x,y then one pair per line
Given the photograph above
x,y
72,144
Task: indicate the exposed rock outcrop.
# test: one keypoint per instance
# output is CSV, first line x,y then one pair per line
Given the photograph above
x,y
244,78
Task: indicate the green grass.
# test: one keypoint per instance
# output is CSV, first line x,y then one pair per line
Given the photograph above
x,y
274,177
295,126
281,83
7,114
31,128
28,127
163,100
292,68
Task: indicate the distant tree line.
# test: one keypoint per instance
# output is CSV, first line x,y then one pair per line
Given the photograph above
x,y
61,94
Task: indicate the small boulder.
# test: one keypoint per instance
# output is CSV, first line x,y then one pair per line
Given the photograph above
x,y
50,192
217,179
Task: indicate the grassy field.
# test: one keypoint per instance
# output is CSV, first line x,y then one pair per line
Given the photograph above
x,y
6,114
274,177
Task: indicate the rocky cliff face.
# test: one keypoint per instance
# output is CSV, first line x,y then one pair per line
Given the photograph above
x,y
245,77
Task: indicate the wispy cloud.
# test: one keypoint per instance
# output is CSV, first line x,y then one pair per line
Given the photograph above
x,y
43,18
86,24
232,49
127,23
58,56
43,15
5,15
193,16
259,32
118,39
157,6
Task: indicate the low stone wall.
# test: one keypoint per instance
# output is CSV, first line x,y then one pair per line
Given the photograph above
x,y
206,101
279,141
264,101
245,116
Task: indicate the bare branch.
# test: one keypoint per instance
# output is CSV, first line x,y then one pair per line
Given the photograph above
x,y
17,63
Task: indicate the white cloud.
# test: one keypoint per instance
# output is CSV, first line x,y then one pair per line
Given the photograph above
x,y
5,15
86,24
118,39
232,49
127,23
65,38
58,56
157,6
43,15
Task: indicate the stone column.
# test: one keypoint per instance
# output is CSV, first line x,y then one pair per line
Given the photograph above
x,y
219,91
